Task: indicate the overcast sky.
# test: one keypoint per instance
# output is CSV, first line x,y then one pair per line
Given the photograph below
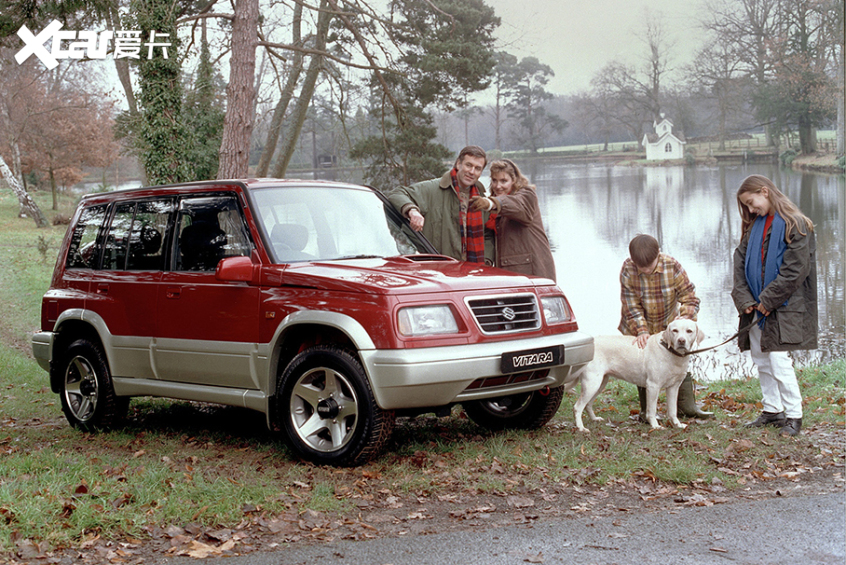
x,y
579,37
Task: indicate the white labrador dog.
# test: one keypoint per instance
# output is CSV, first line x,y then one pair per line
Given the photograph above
x,y
662,364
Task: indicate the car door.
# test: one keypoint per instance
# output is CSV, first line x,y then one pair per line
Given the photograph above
x,y
207,330
123,290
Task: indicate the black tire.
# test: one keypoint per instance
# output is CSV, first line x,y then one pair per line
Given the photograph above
x,y
524,411
327,410
87,393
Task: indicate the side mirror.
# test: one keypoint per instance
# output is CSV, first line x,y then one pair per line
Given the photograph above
x,y
234,269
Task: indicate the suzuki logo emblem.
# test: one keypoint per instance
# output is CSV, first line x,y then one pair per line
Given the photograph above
x,y
508,313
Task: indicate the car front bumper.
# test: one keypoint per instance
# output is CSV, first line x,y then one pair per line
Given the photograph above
x,y
437,376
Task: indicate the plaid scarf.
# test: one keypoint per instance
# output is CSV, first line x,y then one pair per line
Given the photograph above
x,y
471,225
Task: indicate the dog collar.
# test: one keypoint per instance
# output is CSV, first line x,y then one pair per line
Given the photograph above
x,y
670,349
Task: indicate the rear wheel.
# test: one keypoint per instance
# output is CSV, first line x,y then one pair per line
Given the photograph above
x,y
327,409
88,396
524,411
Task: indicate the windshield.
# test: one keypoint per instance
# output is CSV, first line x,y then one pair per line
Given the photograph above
x,y
328,223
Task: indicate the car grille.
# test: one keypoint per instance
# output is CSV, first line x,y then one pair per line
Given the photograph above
x,y
504,380
504,314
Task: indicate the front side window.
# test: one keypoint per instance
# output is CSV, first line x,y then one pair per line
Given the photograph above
x,y
210,229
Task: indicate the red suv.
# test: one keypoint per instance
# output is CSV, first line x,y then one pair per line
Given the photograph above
x,y
312,302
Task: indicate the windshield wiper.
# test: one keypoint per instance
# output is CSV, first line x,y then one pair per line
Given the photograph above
x,y
357,257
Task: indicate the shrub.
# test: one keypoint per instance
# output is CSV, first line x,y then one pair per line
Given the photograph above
x,y
787,157
689,159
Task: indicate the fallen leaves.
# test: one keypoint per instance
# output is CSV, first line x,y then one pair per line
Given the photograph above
x,y
472,513
487,481
701,499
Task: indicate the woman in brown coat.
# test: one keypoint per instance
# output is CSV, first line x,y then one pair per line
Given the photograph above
x,y
521,242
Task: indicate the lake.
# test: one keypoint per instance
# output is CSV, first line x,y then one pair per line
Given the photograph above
x,y
592,211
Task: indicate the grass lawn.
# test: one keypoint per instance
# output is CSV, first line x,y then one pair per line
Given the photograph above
x,y
191,479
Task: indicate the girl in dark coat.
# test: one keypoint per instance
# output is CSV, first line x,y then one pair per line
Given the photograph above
x,y
521,242
775,282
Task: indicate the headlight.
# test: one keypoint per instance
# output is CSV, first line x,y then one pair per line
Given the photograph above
x,y
555,310
427,320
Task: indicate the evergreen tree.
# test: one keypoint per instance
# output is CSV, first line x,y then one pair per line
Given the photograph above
x,y
527,96
447,52
160,133
204,114
803,93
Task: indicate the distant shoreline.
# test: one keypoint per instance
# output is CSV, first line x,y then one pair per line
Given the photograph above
x,y
828,163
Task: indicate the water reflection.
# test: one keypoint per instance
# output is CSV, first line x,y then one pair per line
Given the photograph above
x,y
591,212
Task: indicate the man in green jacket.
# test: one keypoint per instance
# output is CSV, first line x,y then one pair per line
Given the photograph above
x,y
439,208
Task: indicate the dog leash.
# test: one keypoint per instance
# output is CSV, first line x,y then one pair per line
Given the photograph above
x,y
740,331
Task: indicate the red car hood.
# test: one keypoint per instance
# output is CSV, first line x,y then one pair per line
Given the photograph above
x,y
398,275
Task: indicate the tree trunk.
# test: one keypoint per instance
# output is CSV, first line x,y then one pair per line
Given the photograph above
x,y
807,141
498,120
54,189
122,65
298,116
17,172
284,99
841,111
25,200
240,94
722,127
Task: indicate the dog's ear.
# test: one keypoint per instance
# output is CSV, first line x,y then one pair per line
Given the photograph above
x,y
700,335
667,335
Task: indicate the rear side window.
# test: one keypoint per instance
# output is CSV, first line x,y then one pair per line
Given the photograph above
x,y
83,246
136,236
148,234
210,229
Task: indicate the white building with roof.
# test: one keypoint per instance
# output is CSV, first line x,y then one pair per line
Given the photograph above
x,y
663,144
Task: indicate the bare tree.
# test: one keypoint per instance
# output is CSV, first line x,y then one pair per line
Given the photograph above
x,y
746,28
802,93
656,61
287,93
622,98
593,115
24,198
632,93
300,112
715,73
50,123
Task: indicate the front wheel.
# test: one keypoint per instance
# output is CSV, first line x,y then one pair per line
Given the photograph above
x,y
88,396
327,410
524,411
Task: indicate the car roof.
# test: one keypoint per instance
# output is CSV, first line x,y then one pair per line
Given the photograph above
x,y
215,186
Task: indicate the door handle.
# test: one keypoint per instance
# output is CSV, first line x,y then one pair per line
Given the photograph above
x,y
173,292
103,288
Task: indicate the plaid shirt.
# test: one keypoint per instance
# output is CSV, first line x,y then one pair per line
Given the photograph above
x,y
651,302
